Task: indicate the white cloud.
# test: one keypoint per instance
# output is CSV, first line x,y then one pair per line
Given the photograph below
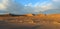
x,y
37,7
3,4
46,7
37,4
56,0
30,4
5,1
43,6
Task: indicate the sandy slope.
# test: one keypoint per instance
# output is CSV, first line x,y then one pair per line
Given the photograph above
x,y
29,21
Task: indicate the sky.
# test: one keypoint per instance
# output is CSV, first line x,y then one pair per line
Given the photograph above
x,y
30,6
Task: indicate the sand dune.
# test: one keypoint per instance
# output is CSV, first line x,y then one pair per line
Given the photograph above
x,y
39,21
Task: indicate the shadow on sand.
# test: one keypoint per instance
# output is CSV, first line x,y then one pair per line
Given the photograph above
x,y
5,25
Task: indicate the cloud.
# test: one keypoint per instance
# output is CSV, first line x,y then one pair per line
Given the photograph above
x,y
45,6
38,7
56,0
30,4
15,8
3,4
5,1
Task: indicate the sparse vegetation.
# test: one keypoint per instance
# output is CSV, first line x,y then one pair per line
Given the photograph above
x,y
30,22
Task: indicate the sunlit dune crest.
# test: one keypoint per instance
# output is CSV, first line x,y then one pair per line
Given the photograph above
x,y
54,16
40,14
29,15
